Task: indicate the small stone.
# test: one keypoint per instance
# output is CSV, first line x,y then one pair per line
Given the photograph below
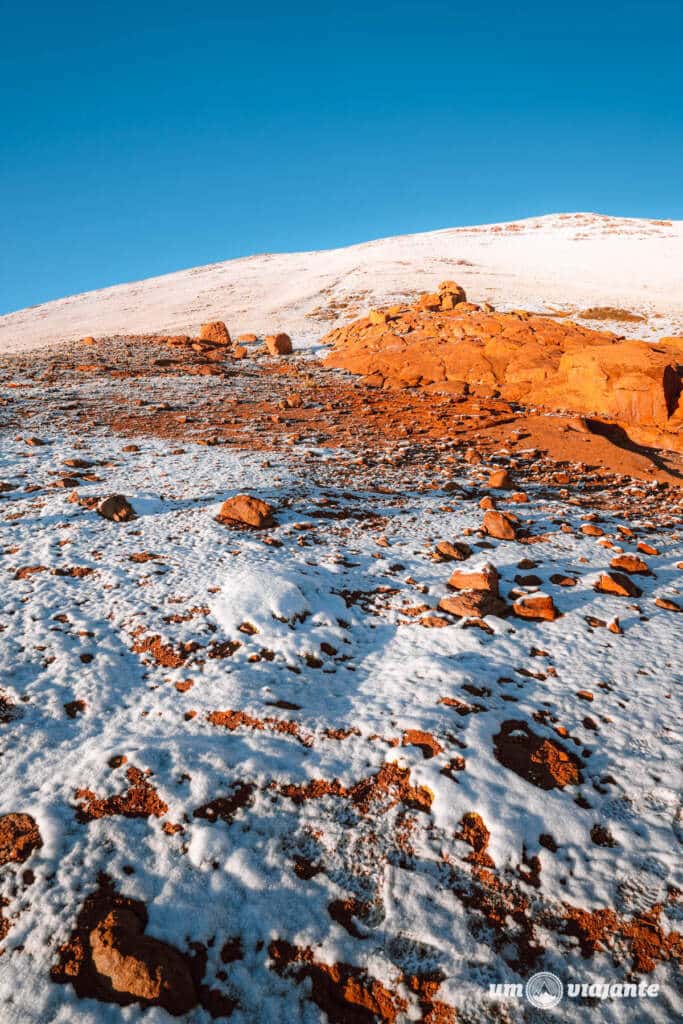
x,y
499,525
457,551
279,344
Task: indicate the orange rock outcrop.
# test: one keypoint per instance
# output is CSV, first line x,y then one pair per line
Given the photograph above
x,y
446,343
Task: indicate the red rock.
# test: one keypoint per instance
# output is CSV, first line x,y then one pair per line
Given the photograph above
x,y
240,352
19,837
245,510
668,605
527,358
117,508
88,340
617,583
279,344
473,603
535,606
433,622
542,762
485,578
501,480
429,301
631,564
427,743
499,525
452,552
451,294
591,530
247,339
215,332
109,958
560,579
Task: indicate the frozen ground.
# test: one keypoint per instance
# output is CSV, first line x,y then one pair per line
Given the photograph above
x,y
333,642
564,261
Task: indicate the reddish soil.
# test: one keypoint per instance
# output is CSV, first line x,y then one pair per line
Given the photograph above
x,y
140,800
347,994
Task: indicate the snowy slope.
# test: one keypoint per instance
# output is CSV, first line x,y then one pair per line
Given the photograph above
x,y
564,260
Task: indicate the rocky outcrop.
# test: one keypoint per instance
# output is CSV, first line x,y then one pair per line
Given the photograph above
x,y
446,343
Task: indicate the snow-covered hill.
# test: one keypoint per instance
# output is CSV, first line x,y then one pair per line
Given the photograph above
x,y
567,261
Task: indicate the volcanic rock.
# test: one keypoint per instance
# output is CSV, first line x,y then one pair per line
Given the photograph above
x,y
19,837
473,603
457,551
109,958
139,966
245,510
630,564
542,762
499,525
535,606
215,332
500,479
117,508
485,578
528,358
617,583
279,344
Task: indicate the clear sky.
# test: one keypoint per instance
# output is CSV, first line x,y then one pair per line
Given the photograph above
x,y
140,138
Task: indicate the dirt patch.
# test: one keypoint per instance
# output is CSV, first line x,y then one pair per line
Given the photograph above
x,y
346,994
542,762
140,800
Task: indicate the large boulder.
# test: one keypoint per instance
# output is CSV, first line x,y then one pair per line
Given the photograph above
x,y
244,510
215,332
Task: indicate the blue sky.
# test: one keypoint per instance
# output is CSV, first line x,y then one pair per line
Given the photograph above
x,y
139,139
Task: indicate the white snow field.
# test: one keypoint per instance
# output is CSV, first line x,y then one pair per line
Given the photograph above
x,y
65,638
564,261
